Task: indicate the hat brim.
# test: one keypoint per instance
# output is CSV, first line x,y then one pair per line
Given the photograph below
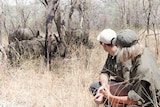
x,y
114,42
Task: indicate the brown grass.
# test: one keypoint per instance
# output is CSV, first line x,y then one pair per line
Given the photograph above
x,y
66,85
33,86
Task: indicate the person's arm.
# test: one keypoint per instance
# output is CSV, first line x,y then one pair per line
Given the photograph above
x,y
99,97
117,99
121,100
103,79
104,75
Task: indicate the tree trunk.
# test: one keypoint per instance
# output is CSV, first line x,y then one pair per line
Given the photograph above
x,y
51,10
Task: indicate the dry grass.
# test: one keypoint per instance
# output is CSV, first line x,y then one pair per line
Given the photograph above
x,y
66,85
151,42
31,85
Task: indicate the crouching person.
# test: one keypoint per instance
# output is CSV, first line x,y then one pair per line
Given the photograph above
x,y
114,74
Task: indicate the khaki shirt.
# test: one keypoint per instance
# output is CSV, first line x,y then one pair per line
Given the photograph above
x,y
144,78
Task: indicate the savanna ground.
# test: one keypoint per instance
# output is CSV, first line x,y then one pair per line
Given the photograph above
x,y
66,85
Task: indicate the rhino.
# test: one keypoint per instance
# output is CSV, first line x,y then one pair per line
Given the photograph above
x,y
22,34
33,48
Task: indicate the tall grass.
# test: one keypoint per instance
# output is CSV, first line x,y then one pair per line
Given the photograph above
x,y
66,85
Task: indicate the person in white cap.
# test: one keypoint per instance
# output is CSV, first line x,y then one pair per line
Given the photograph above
x,y
113,71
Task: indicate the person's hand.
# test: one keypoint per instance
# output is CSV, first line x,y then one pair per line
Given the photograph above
x,y
99,99
103,87
105,91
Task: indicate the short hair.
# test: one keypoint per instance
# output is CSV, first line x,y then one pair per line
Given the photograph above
x,y
127,53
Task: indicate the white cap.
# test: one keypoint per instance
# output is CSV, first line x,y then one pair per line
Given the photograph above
x,y
106,36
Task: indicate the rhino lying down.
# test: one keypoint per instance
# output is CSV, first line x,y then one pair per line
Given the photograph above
x,y
33,49
22,34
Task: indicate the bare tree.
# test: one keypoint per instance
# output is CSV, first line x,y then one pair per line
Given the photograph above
x,y
151,13
67,34
52,6
83,23
123,12
155,24
23,14
148,15
3,20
